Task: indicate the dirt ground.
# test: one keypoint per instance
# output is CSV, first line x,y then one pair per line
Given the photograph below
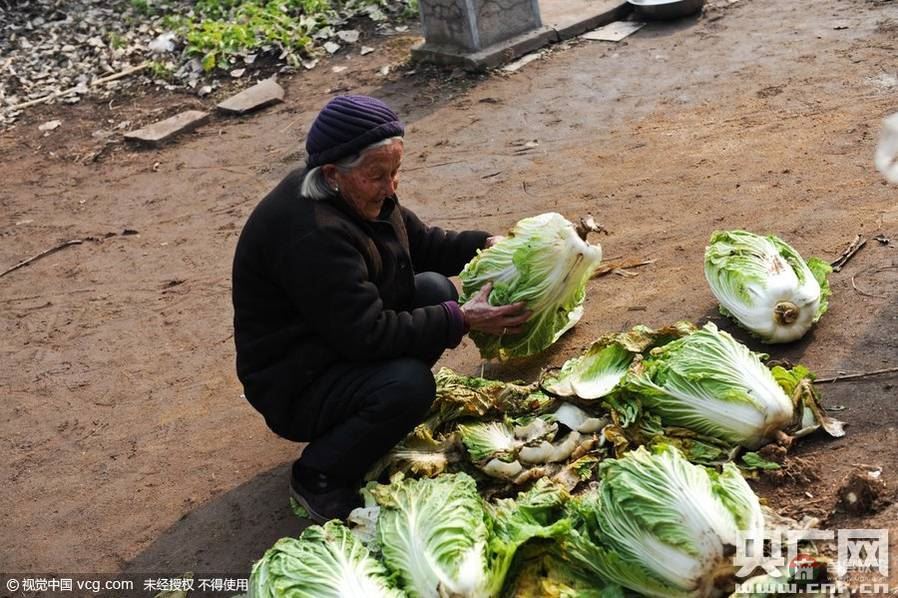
x,y
129,447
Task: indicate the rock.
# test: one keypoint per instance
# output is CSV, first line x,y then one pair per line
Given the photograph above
x,y
366,50
261,94
237,73
164,130
49,125
331,47
350,36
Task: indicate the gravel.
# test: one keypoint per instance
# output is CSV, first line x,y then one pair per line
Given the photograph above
x,y
53,46
68,48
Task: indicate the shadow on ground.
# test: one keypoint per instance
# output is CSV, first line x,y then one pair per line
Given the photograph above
x,y
222,539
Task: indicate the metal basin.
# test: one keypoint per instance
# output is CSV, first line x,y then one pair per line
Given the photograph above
x,y
667,9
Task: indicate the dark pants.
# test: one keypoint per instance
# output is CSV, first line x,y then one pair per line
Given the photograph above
x,y
365,409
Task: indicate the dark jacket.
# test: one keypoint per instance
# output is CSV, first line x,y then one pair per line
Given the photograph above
x,y
314,284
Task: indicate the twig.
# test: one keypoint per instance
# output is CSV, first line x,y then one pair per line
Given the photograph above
x,y
853,248
42,254
865,293
60,94
624,265
859,375
433,165
284,130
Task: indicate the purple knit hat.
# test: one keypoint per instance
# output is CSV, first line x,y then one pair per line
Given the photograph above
x,y
348,124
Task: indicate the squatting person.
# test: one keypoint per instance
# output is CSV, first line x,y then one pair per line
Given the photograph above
x,y
342,304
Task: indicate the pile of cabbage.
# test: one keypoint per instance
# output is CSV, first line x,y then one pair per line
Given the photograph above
x,y
619,472
655,524
698,389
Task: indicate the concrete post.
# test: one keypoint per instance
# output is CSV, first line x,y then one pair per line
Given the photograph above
x,y
479,33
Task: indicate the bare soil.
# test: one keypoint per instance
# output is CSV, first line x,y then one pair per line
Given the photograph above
x,y
129,447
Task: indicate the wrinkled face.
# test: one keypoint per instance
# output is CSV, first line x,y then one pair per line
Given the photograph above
x,y
371,181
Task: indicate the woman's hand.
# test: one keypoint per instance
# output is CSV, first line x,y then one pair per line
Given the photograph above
x,y
490,241
491,319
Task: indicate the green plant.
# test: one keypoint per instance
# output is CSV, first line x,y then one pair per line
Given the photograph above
x,y
142,7
160,70
116,41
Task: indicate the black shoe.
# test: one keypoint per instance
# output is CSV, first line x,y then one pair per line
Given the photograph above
x,y
324,501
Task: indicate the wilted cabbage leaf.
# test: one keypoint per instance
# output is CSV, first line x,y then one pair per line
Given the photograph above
x,y
459,396
544,263
537,513
324,562
765,285
809,415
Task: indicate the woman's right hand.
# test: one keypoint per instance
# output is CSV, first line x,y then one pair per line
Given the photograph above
x,y
497,320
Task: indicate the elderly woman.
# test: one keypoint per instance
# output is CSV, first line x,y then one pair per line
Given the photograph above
x,y
342,304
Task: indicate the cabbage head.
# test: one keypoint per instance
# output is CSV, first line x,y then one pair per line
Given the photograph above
x,y
661,526
765,285
546,264
441,539
712,384
324,562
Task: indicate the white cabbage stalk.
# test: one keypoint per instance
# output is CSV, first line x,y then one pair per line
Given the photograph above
x,y
543,262
712,384
497,468
886,157
537,429
576,419
765,285
662,526
324,562
547,452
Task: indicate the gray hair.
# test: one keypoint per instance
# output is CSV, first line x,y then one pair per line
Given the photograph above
x,y
314,185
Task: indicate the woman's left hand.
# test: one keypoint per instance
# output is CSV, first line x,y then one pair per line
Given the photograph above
x,y
490,241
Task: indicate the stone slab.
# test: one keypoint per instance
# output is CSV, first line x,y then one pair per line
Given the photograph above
x,y
166,129
490,57
613,32
570,18
262,94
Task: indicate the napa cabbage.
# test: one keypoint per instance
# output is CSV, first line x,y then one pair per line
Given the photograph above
x,y
661,526
324,562
712,384
765,285
544,263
